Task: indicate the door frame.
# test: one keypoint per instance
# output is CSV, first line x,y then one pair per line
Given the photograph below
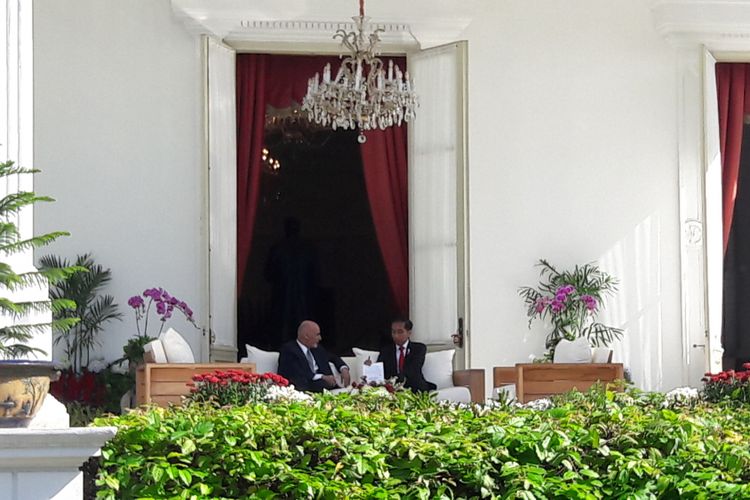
x,y
700,31
397,48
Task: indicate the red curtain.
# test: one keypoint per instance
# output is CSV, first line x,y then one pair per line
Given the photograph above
x,y
733,82
251,115
385,168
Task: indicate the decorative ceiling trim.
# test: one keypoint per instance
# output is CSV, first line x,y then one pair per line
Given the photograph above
x,y
420,23
720,25
312,31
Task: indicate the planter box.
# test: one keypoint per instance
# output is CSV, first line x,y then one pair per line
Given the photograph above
x,y
541,380
161,384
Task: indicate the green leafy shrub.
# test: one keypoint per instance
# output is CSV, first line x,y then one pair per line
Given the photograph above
x,y
81,415
728,385
598,445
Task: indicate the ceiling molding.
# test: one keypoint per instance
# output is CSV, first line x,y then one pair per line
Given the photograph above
x,y
313,32
413,24
720,25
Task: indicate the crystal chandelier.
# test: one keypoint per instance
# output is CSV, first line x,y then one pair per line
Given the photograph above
x,y
363,94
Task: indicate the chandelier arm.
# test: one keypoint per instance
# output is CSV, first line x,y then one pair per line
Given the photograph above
x,y
348,40
362,94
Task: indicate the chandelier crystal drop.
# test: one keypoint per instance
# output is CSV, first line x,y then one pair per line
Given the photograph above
x,y
363,94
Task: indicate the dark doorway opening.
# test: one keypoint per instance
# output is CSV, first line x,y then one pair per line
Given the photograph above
x,y
736,296
314,254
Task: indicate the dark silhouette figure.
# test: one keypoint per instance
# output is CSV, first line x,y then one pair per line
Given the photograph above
x,y
292,271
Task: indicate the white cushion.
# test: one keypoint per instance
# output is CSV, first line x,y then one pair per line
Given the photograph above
x,y
349,360
337,375
176,347
573,351
600,354
457,394
265,361
438,368
360,356
156,349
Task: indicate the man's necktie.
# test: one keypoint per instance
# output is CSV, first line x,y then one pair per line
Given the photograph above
x,y
311,360
401,359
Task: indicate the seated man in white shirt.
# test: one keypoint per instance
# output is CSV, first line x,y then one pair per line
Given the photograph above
x,y
304,362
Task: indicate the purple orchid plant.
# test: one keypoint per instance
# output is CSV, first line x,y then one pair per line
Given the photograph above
x,y
570,300
164,304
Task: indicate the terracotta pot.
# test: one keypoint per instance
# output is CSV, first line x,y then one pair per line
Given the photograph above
x,y
23,386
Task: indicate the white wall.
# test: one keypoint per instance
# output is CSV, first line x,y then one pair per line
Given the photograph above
x,y
118,136
573,159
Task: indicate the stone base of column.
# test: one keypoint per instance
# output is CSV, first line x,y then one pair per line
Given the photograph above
x,y
44,463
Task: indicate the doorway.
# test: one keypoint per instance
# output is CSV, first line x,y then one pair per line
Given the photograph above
x,y
736,317
315,253
427,260
319,215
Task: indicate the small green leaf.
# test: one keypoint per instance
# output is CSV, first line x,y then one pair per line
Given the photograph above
x,y
185,476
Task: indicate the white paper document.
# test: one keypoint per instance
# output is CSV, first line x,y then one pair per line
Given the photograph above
x,y
374,372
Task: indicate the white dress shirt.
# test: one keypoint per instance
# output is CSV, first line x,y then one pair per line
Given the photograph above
x,y
398,353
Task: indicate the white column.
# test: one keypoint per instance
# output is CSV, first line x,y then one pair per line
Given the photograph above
x,y
17,140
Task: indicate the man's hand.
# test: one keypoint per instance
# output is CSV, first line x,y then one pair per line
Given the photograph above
x,y
330,380
346,378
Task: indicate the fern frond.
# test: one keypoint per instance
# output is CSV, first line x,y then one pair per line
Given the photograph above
x,y
30,243
12,203
9,307
64,324
18,351
22,331
59,306
36,306
8,233
8,168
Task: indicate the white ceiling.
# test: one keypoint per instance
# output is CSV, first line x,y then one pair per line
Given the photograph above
x,y
430,22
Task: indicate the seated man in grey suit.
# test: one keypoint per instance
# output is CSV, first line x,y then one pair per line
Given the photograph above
x,y
404,359
304,362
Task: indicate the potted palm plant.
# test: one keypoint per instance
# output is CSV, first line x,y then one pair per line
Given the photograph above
x,y
24,382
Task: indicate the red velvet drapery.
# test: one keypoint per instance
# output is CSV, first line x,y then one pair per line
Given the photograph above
x,y
279,81
385,168
733,85
251,113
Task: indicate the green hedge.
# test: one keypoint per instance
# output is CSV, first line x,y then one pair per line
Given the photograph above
x,y
598,445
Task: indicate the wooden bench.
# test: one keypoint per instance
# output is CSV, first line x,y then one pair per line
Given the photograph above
x,y
164,383
541,380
